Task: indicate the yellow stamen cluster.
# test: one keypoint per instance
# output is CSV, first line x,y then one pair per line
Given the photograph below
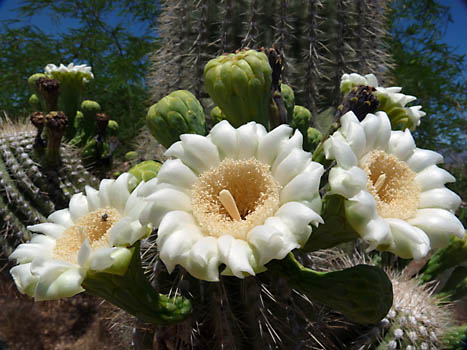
x,y
247,184
95,226
391,183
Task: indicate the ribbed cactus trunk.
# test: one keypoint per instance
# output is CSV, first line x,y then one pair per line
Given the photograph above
x,y
320,40
29,192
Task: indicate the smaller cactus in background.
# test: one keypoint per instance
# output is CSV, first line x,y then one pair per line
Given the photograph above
x,y
177,113
240,83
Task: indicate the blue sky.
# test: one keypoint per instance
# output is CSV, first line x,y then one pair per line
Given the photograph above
x,y
455,35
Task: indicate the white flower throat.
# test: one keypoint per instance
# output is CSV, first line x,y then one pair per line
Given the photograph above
x,y
392,184
234,197
94,226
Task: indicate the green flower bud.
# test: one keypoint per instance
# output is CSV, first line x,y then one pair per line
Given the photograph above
x,y
176,114
217,115
35,103
240,84
313,139
113,127
288,97
301,120
131,155
143,171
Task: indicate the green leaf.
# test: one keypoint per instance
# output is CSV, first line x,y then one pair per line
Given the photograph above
x,y
362,293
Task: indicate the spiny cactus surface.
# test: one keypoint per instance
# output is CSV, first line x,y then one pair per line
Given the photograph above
x,y
30,192
319,40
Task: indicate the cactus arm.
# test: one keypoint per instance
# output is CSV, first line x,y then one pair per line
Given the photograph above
x,y
133,293
362,293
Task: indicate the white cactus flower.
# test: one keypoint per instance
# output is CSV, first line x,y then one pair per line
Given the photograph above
x,y
94,233
83,69
391,98
394,193
238,197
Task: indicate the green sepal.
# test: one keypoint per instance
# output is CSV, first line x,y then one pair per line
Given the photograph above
x,y
133,293
217,115
363,293
335,229
454,254
122,258
143,171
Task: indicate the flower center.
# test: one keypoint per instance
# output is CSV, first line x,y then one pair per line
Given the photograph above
x,y
391,183
95,226
234,197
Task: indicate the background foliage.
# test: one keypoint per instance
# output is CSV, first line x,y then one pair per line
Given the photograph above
x,y
102,39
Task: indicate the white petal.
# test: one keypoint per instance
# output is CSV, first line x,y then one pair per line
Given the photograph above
x,y
384,131
135,204
236,254
360,209
272,241
162,202
119,192
145,189
422,158
105,187
347,183
101,259
92,195
370,125
371,80
175,246
61,217
24,279
340,151
440,198
291,166
353,133
401,144
295,142
199,153
409,241
48,228
376,233
303,187
57,279
203,261
247,140
175,220
438,224
224,136
84,253
78,206
173,171
297,217
270,144
126,232
39,246
433,177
